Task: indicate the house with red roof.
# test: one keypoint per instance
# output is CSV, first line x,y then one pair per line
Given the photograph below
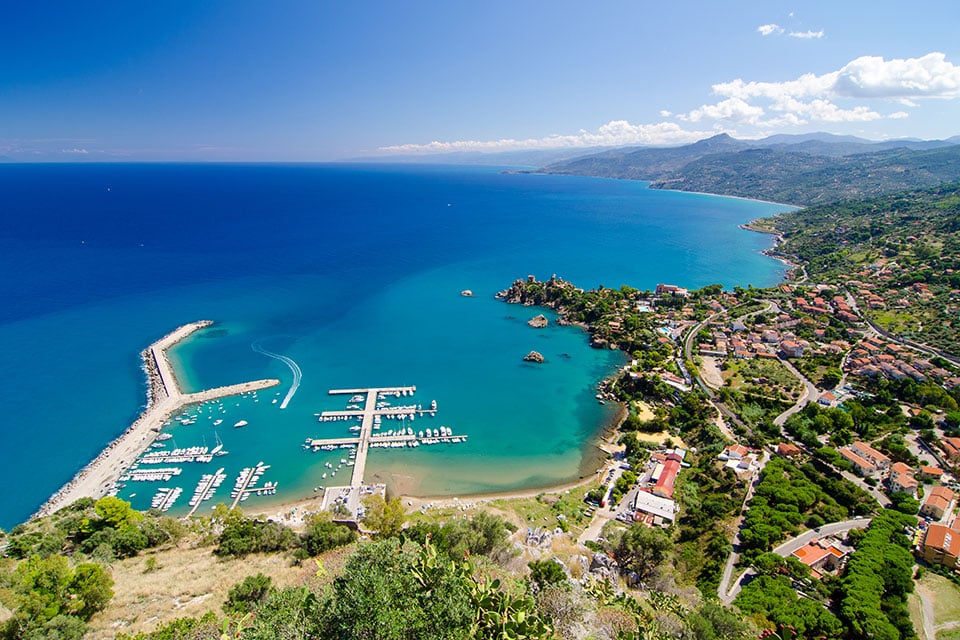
x,y
939,502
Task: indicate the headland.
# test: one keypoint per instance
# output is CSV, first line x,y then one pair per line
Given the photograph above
x,y
164,398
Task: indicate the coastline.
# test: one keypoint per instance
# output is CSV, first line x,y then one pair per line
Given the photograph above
x,y
772,252
164,398
294,512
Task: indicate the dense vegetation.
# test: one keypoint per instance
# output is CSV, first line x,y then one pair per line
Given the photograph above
x,y
104,530
877,580
53,599
60,582
789,499
905,247
868,600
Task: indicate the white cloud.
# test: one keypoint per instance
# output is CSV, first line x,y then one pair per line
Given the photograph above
x,y
808,99
812,97
614,133
770,29
930,76
731,109
807,35
75,150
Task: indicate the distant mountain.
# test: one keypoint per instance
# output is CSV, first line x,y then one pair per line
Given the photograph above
x,y
807,169
532,158
645,163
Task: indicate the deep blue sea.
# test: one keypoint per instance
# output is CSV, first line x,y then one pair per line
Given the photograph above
x,y
352,271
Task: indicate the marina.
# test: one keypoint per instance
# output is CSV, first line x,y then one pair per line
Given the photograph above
x,y
346,501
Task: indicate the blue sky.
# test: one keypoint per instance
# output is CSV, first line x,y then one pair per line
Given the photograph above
x,y
315,80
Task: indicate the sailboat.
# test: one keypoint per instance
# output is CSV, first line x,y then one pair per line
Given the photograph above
x,y
218,450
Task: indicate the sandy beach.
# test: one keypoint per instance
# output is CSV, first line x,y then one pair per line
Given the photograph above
x,y
164,398
293,513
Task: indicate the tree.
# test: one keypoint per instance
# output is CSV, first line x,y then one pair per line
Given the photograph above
x,y
904,503
53,600
117,513
92,589
831,378
386,517
385,593
642,549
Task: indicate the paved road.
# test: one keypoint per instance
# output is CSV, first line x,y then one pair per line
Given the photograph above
x,y
874,491
832,529
785,549
810,394
722,590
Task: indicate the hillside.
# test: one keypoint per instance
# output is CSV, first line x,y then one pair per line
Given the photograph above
x,y
898,255
808,171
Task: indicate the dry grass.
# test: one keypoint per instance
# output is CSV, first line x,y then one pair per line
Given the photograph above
x,y
945,596
644,412
916,615
190,582
660,438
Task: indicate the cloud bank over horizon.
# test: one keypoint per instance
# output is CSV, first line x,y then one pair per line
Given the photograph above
x,y
756,108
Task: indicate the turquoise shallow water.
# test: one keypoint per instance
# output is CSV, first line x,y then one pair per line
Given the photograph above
x,y
354,272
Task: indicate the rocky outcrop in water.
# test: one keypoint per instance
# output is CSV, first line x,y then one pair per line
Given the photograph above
x,y
538,321
534,356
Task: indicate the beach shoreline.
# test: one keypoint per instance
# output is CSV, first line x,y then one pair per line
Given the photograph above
x,y
294,512
164,398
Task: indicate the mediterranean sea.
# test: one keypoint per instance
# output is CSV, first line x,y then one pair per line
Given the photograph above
x,y
354,272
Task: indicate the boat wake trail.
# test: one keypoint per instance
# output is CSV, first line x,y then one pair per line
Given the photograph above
x,y
294,368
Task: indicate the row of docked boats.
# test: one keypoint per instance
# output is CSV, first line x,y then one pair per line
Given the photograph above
x,y
186,454
165,498
208,485
243,487
162,474
323,418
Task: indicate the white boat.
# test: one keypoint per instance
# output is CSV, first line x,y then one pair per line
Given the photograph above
x,y
241,423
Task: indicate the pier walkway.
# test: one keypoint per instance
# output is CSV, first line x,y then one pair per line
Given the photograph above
x,y
373,409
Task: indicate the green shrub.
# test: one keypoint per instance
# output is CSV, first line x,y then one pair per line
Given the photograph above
x,y
248,595
544,573
323,534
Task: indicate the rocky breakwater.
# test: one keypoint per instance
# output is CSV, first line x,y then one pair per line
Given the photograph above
x,y
534,356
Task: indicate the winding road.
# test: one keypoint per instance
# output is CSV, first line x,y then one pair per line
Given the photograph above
x,y
728,595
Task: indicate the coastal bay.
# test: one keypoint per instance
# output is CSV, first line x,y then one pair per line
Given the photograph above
x,y
356,276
